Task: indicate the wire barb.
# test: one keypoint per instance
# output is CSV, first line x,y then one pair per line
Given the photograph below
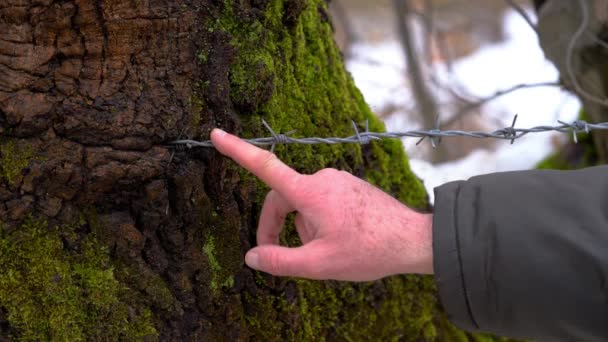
x,y
178,147
433,134
576,126
364,139
278,138
511,132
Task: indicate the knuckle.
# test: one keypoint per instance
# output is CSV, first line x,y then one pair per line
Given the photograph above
x,y
275,265
269,160
270,197
327,172
345,174
298,183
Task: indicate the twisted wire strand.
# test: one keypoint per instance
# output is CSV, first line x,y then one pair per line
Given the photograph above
x,y
509,133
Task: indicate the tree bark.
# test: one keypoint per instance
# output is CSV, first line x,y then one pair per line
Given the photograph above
x,y
104,235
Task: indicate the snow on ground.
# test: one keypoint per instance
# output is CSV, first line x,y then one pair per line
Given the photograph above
x,y
378,72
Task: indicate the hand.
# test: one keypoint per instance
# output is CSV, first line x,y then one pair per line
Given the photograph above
x,y
350,230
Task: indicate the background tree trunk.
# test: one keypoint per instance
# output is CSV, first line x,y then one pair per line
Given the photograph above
x,y
586,75
104,236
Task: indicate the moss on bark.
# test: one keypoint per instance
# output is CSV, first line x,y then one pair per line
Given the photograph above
x,y
49,294
14,157
159,251
289,65
291,74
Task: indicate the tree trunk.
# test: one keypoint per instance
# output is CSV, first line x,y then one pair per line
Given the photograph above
x,y
105,236
586,72
425,102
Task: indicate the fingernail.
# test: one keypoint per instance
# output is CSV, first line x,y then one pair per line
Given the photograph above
x,y
253,260
219,132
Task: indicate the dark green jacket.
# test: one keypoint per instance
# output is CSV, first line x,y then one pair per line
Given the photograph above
x,y
525,254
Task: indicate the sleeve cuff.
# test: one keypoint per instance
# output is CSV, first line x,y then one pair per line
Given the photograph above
x,y
447,261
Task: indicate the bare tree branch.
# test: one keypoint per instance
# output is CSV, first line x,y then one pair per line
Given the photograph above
x,y
425,102
467,109
453,91
523,14
429,27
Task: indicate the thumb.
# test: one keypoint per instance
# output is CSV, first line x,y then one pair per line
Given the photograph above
x,y
301,262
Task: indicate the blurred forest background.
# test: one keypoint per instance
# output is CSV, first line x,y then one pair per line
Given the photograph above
x,y
473,64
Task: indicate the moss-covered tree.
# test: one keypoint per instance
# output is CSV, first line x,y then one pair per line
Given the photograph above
x,y
105,236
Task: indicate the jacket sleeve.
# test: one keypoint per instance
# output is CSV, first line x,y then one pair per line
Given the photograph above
x,y
525,254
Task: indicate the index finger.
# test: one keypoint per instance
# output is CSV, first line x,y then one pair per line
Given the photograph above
x,y
264,164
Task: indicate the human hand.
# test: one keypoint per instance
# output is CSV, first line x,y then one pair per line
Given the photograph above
x,y
350,230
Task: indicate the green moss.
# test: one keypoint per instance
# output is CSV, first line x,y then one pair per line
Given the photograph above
x,y
50,294
263,317
555,161
14,157
208,249
203,56
131,275
222,266
159,292
293,77
196,106
397,308
296,80
406,311
402,184
228,282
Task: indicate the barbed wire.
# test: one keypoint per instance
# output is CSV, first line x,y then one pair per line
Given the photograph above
x,y
435,135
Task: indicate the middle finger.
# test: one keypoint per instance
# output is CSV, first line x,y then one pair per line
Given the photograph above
x,y
272,218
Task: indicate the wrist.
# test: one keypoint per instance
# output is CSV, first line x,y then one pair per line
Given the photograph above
x,y
416,254
426,257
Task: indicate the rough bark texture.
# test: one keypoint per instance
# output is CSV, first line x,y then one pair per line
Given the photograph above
x,y
104,236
